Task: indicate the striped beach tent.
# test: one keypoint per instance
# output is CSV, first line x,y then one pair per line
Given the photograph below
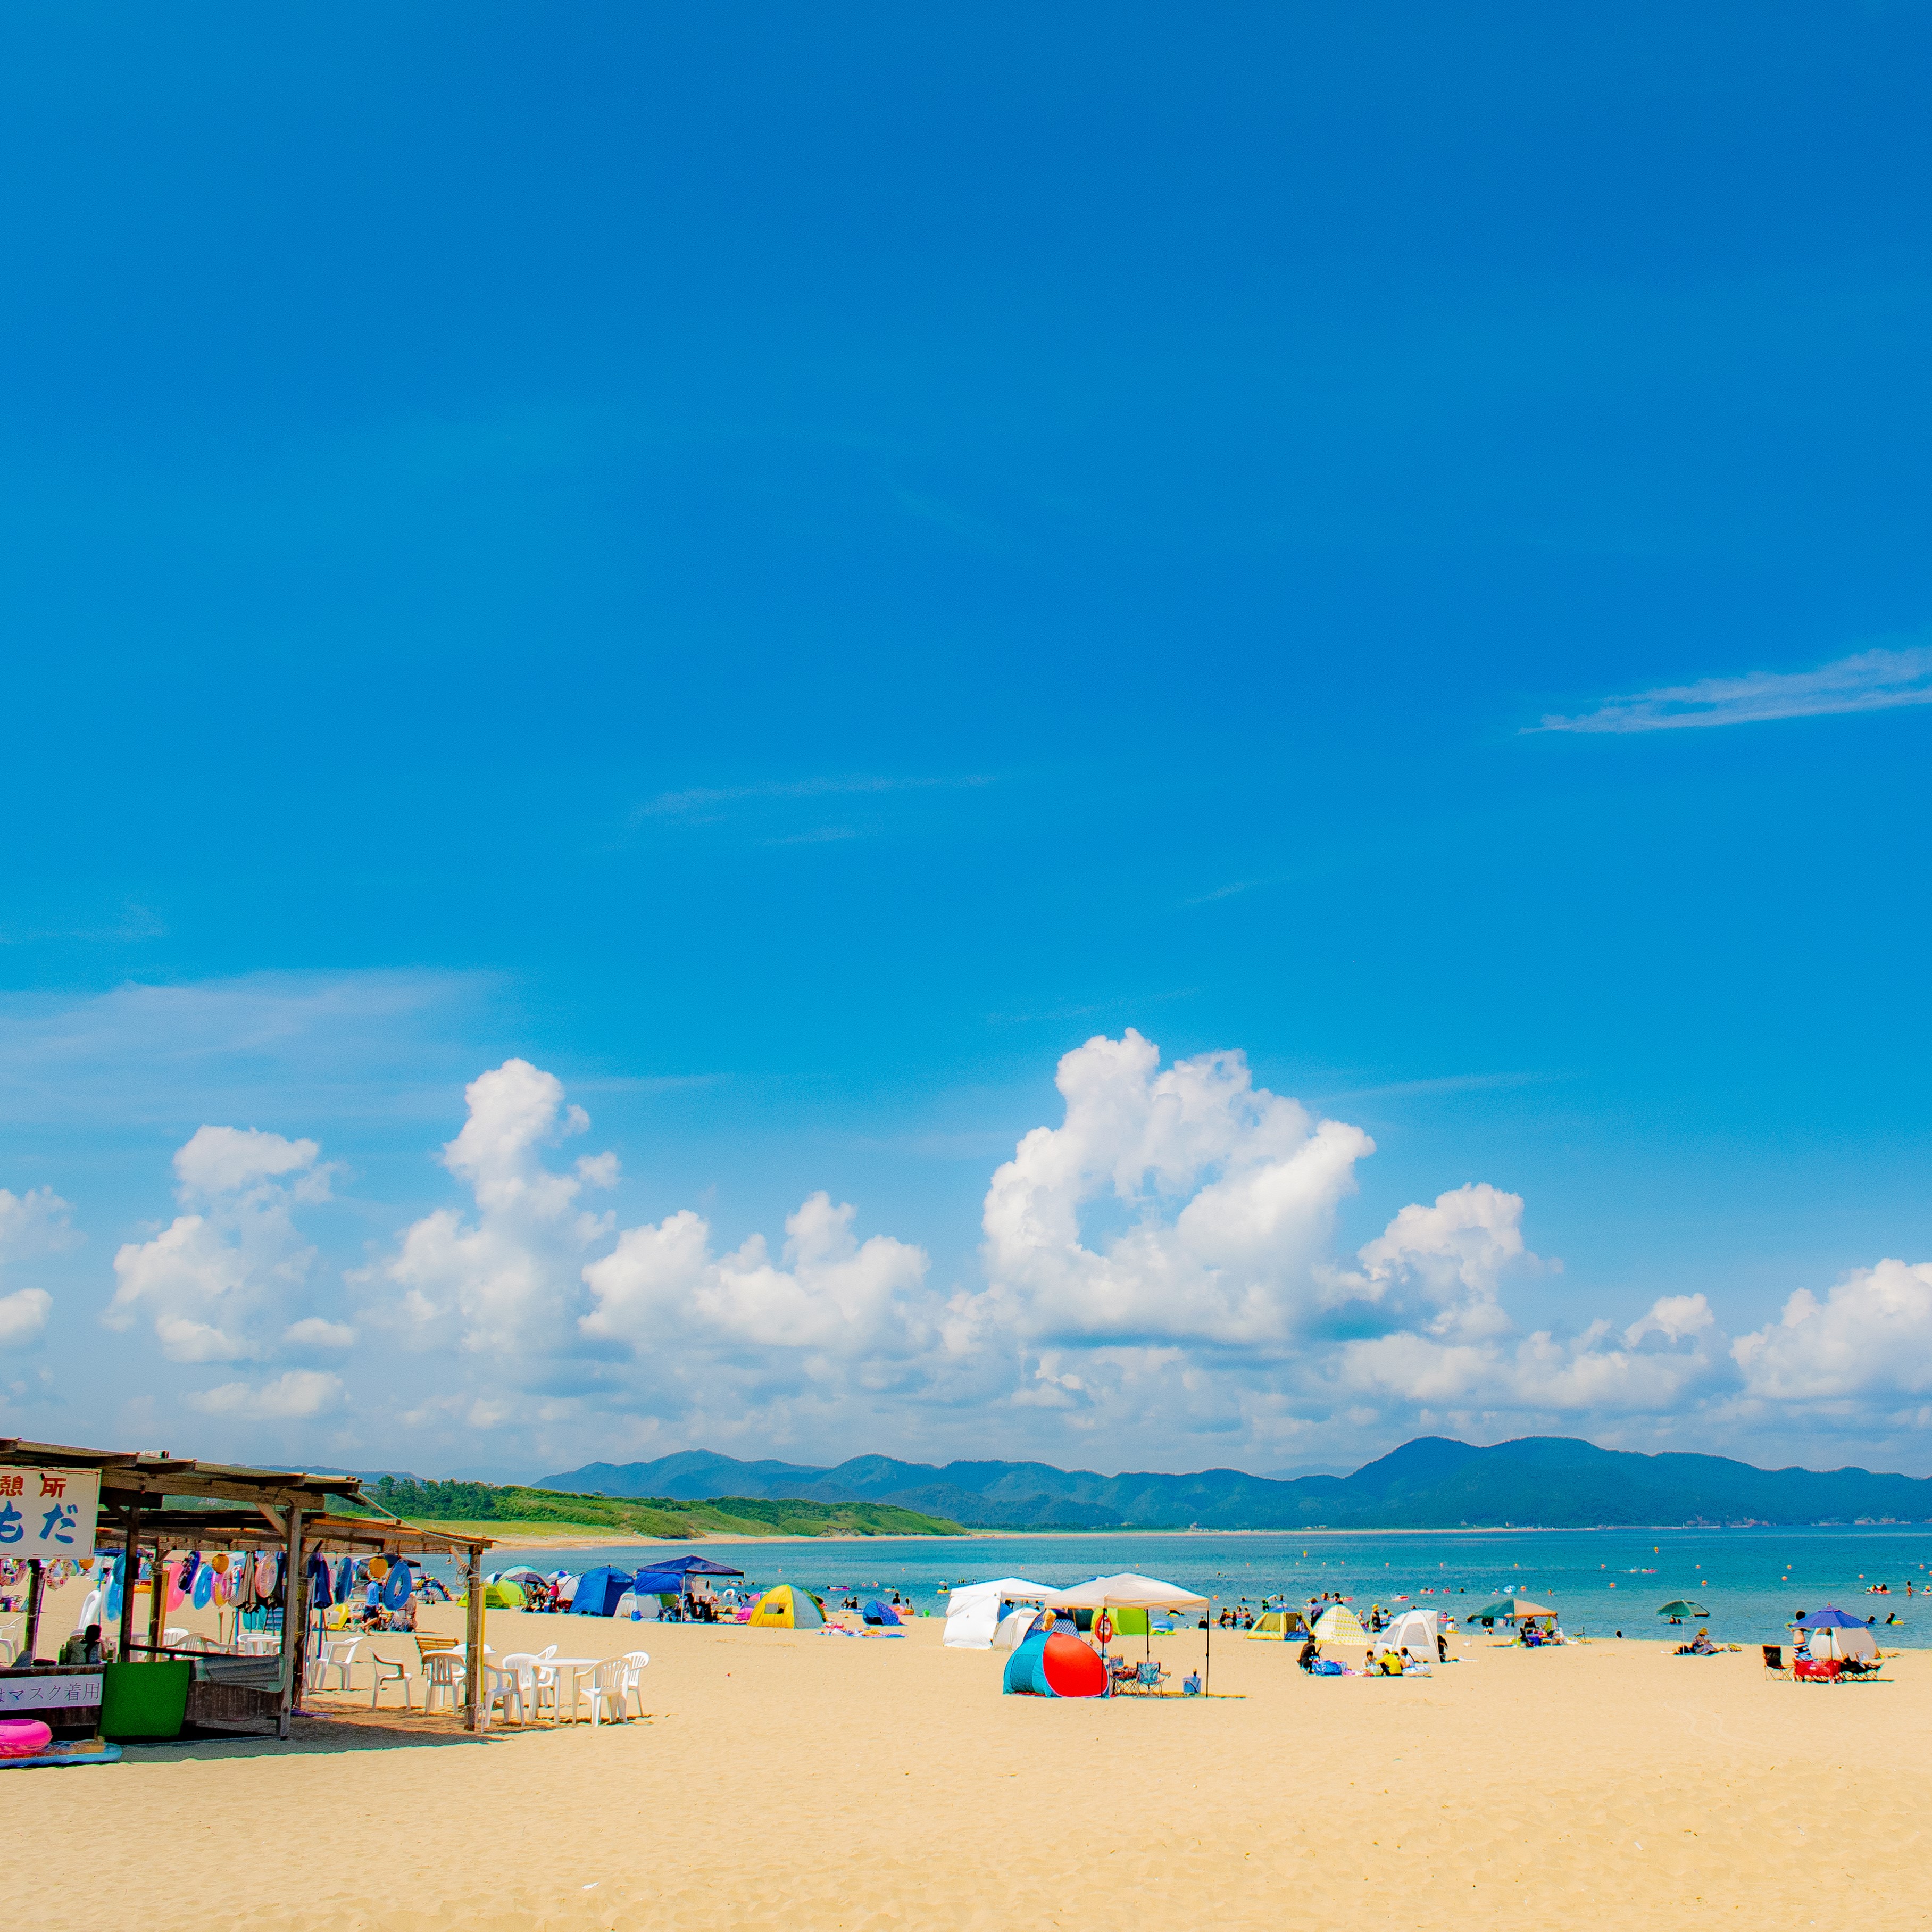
x,y
1338,1624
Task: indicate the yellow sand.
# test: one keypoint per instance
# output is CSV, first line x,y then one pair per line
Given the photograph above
x,y
798,1780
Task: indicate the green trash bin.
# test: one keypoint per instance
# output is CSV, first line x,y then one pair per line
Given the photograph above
x,y
144,1700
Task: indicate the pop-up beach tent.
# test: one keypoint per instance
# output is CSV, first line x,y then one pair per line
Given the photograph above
x,y
598,1592
880,1613
1278,1626
972,1611
1050,1663
1414,1634
1338,1624
787,1608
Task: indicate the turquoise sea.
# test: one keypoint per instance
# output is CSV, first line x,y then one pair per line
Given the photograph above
x,y
1752,1581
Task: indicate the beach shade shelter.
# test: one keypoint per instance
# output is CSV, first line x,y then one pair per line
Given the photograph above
x,y
880,1613
1278,1626
598,1592
1338,1624
975,1612
786,1607
1414,1634
152,1506
1677,1610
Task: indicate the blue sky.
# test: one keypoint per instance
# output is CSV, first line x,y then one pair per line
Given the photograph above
x,y
786,572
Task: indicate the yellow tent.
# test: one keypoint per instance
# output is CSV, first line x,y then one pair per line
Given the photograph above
x,y
787,1608
1278,1626
1338,1624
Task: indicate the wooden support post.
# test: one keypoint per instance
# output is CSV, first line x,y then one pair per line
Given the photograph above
x,y
130,1563
36,1584
158,1599
473,1695
295,1620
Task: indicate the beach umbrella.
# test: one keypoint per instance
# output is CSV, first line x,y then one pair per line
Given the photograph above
x,y
1338,1624
1510,1606
1678,1607
1831,1617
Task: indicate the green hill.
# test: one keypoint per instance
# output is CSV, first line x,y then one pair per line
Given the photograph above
x,y
502,1506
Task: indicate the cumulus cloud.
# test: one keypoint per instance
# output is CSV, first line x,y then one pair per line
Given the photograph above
x,y
301,1395
1539,1372
218,1282
1451,1257
23,1316
833,1294
32,1224
1228,1192
509,1279
1870,1339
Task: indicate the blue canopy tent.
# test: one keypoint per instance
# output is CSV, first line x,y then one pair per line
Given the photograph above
x,y
672,1577
677,1568
598,1592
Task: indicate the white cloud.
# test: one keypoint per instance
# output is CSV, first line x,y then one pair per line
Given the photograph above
x,y
511,1280
1540,1373
1229,1192
23,1315
34,1223
1875,680
218,1282
299,1396
1870,1340
31,1224
663,1286
1452,1255
227,1160
315,1333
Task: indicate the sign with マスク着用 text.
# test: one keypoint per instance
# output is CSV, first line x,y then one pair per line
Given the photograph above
x,y
49,1693
48,1512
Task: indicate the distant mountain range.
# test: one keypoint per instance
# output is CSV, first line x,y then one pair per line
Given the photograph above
x,y
1552,1482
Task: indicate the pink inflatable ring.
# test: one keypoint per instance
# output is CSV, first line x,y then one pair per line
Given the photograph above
x,y
23,1737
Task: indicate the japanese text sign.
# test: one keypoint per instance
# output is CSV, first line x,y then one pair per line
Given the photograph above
x,y
48,1512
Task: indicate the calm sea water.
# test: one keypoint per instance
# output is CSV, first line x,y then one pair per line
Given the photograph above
x,y
1752,1581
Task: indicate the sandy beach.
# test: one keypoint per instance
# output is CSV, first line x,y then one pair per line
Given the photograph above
x,y
814,1781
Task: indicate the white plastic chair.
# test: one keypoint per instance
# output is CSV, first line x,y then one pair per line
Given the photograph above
x,y
608,1682
513,1682
388,1671
338,1654
447,1676
174,1637
8,1651
636,1662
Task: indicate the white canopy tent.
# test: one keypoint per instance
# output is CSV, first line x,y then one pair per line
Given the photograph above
x,y
1130,1591
1126,1591
973,1611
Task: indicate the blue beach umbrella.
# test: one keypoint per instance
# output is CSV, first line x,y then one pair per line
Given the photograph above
x,y
1831,1617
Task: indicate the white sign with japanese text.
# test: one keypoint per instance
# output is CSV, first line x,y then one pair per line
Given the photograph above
x,y
49,1693
48,1512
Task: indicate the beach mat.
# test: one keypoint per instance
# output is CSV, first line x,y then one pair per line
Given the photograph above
x,y
59,1760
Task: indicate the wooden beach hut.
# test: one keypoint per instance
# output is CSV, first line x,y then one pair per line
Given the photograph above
x,y
134,1503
